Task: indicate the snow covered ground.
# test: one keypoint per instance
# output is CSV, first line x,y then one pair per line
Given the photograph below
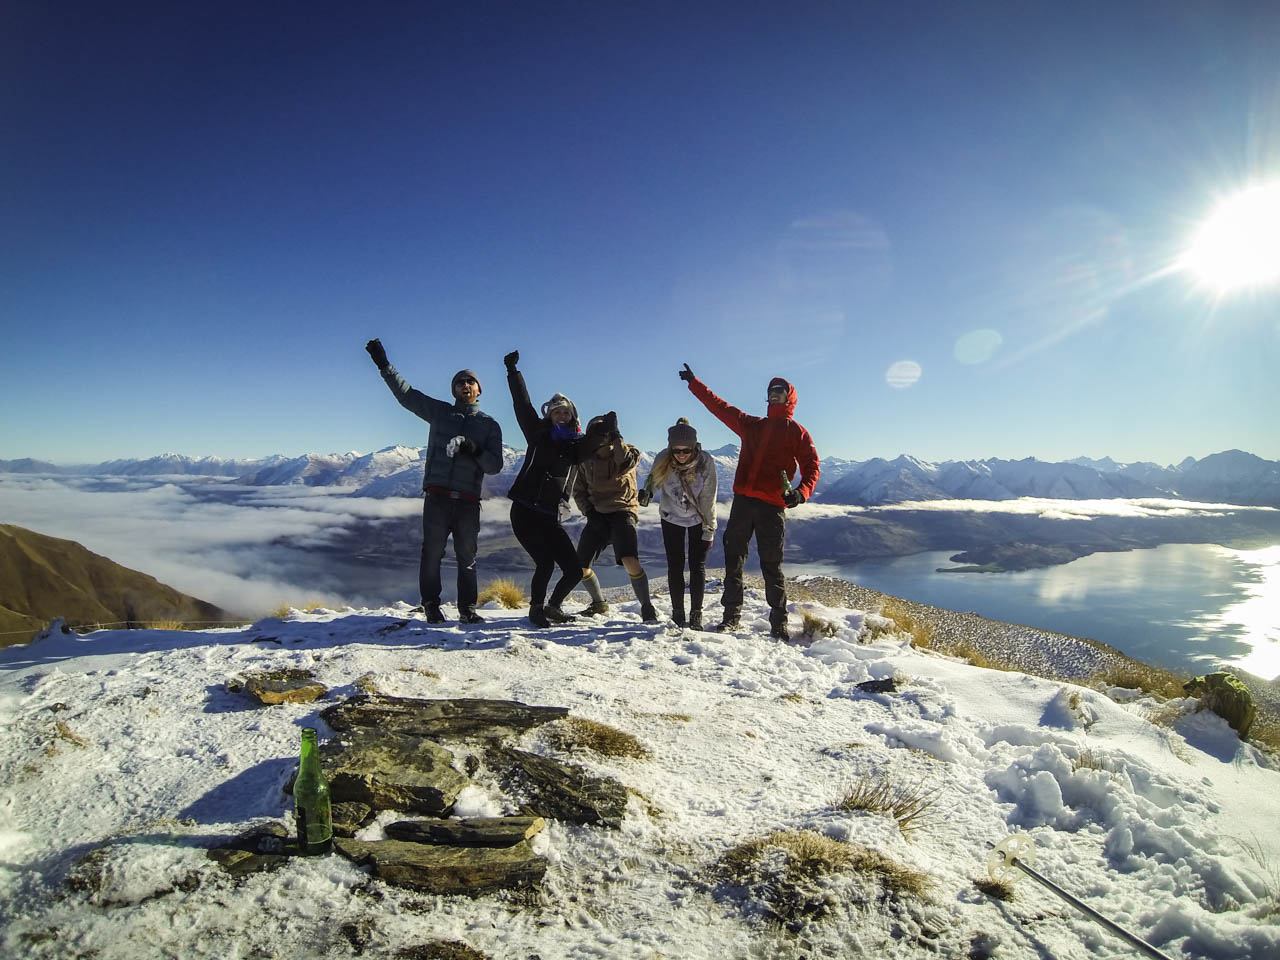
x,y
131,739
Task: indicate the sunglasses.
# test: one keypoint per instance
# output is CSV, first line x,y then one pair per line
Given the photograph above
x,y
467,380
681,451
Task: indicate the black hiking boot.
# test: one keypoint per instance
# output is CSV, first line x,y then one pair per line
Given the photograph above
x,y
648,614
695,620
538,616
778,625
556,615
432,613
730,623
470,616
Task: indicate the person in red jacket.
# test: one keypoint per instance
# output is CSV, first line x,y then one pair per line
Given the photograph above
x,y
772,448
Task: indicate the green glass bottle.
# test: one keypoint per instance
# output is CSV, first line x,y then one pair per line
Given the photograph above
x,y
311,810
786,483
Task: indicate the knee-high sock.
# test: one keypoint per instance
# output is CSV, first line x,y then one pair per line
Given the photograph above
x,y
640,584
592,586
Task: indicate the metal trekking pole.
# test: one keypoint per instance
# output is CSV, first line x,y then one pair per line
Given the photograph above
x,y
1019,850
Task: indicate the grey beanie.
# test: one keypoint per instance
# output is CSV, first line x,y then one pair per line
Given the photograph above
x,y
463,375
559,400
682,434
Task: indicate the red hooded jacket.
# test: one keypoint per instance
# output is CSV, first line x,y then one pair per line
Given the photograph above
x,y
771,445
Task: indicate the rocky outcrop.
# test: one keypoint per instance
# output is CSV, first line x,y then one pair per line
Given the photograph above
x,y
446,869
440,719
283,686
470,832
391,771
558,791
382,761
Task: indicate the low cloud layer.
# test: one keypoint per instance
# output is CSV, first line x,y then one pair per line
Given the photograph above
x,y
212,547
1045,509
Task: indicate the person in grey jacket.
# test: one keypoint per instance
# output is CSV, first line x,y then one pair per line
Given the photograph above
x,y
462,446
684,480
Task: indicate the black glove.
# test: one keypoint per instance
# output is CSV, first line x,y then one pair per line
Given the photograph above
x,y
644,496
686,374
468,446
511,359
793,498
379,355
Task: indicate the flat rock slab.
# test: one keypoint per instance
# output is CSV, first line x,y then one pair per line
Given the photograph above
x,y
558,791
257,850
470,832
473,871
440,719
284,686
348,817
391,771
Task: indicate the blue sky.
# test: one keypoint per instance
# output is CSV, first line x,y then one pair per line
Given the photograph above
x,y
952,226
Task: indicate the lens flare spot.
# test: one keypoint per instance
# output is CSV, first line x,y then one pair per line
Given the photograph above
x,y
978,346
902,374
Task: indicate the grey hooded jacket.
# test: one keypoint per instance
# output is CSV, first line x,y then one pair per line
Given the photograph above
x,y
461,472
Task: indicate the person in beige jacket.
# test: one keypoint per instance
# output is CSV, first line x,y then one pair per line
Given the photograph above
x,y
606,492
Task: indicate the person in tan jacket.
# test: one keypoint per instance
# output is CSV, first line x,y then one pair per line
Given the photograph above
x,y
606,492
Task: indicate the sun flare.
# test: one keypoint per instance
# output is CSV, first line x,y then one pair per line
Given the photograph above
x,y
1238,247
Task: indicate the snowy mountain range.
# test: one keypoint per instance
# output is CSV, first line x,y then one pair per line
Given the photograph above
x,y
1232,476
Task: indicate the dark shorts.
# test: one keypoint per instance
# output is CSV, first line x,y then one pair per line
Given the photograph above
x,y
603,529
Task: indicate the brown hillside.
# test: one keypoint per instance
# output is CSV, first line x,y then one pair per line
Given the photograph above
x,y
43,577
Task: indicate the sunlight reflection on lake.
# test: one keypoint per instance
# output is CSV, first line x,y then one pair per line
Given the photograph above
x,y
1188,607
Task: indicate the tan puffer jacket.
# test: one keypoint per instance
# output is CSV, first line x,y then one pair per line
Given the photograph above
x,y
606,480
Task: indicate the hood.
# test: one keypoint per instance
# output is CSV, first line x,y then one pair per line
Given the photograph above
x,y
788,407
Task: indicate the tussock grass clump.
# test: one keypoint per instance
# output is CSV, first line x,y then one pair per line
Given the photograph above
x,y
1133,675
1266,732
794,697
1088,760
995,889
505,591
906,802
165,625
904,621
786,873
814,626
286,610
573,734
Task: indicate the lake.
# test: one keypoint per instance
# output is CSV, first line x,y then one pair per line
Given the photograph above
x,y
1186,607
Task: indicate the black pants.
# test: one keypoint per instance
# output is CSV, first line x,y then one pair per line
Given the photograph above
x,y
549,546
747,517
442,517
673,539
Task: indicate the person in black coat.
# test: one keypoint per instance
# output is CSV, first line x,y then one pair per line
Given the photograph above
x,y
541,491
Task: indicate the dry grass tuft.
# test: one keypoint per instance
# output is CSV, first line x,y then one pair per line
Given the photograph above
x,y
921,633
1133,675
813,626
1087,760
368,683
506,592
794,697
64,732
785,872
995,889
165,625
573,734
1266,733
907,803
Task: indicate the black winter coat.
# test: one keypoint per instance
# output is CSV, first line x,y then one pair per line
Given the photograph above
x,y
546,477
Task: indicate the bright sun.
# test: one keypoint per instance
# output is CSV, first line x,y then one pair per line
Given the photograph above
x,y
1239,245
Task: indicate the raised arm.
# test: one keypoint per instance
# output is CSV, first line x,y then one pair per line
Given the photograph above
x,y
726,413
526,415
415,401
